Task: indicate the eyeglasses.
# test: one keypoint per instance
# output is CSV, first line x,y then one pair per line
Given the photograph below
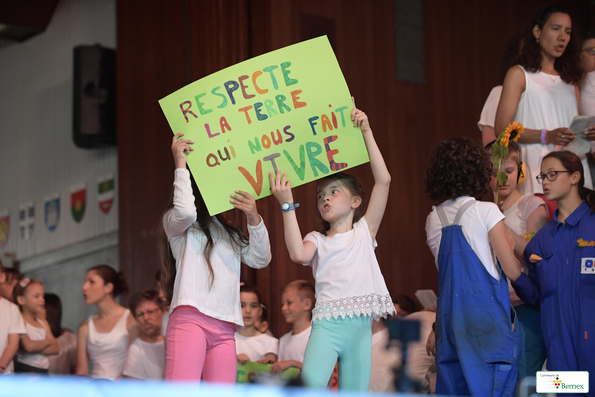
x,y
590,51
550,175
148,313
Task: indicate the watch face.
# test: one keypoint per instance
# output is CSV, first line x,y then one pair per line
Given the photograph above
x,y
284,206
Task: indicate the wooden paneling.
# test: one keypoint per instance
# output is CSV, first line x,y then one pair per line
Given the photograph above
x,y
463,41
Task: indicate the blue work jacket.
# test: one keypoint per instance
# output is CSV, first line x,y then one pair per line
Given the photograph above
x,y
562,283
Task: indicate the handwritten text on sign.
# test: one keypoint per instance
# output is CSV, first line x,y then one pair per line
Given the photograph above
x,y
288,109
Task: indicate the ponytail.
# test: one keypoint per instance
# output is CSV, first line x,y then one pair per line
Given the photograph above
x,y
109,275
589,196
573,164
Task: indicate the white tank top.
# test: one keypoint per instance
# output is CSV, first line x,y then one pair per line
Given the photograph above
x,y
34,359
108,350
548,103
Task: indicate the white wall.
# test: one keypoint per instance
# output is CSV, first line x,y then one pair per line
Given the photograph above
x,y
38,157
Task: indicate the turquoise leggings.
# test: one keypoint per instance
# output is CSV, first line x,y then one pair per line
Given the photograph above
x,y
350,341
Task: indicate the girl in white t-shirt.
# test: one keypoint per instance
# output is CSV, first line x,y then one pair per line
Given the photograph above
x,y
350,289
38,343
201,257
251,344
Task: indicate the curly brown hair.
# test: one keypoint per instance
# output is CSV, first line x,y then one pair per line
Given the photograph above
x,y
458,167
567,65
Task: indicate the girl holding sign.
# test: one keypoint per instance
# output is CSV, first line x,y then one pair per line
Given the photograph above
x,y
350,289
200,275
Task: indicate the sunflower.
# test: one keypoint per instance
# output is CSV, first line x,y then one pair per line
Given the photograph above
x,y
512,133
500,151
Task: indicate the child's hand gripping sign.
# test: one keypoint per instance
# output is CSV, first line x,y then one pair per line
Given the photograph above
x,y
288,109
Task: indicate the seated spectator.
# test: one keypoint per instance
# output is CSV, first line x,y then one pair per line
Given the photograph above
x,y
12,327
146,355
251,344
297,302
11,278
63,363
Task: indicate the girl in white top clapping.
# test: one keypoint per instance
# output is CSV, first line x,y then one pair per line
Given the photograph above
x,y
200,277
350,289
38,343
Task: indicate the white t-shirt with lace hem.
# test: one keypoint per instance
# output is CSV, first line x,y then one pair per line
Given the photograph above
x,y
348,277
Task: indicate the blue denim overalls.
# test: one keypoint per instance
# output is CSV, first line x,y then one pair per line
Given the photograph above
x,y
476,346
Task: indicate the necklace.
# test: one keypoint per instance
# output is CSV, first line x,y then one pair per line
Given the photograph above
x,y
552,77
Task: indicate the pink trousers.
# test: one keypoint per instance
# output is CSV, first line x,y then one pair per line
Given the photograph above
x,y
196,345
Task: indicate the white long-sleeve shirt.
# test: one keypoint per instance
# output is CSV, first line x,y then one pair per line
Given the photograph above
x,y
221,300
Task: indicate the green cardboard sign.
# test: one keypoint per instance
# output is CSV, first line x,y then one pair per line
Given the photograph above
x,y
250,368
288,109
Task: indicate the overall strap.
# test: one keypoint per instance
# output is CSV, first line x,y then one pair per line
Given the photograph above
x,y
462,210
442,216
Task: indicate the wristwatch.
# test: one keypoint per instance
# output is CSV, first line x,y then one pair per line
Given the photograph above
x,y
289,206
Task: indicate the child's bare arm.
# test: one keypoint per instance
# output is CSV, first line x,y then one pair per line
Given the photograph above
x,y
11,349
53,347
379,196
34,346
281,366
510,264
299,251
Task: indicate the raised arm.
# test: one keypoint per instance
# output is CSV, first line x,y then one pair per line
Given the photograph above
x,y
380,191
514,85
299,251
82,359
183,213
9,351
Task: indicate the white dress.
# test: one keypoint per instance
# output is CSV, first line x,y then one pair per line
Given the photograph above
x,y
549,103
108,351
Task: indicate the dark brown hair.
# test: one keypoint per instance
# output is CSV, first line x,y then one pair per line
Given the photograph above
x,y
53,313
354,187
572,163
137,298
458,167
206,224
110,276
12,274
567,65
254,290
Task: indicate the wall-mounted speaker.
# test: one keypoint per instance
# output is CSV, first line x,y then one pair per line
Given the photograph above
x,y
94,97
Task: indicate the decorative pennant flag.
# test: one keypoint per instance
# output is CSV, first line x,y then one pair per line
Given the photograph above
x,y
26,220
105,192
52,211
4,227
78,201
